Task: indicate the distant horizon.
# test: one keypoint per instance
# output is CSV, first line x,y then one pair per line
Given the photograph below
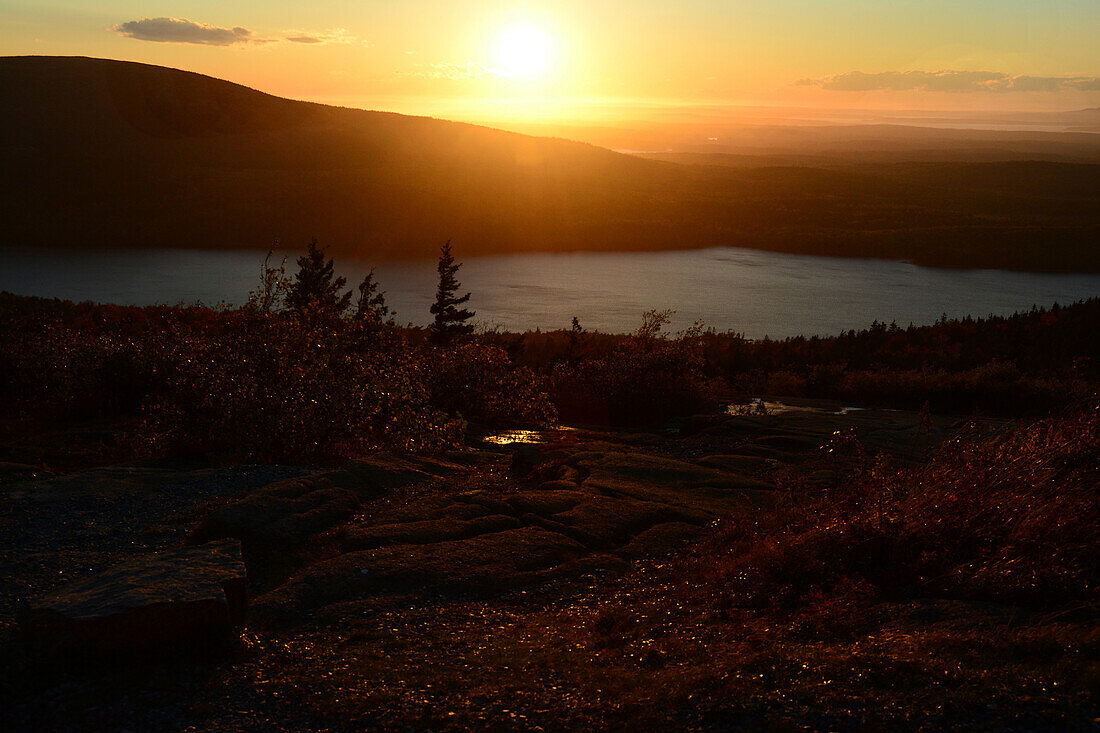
x,y
489,60
623,112
258,165
654,111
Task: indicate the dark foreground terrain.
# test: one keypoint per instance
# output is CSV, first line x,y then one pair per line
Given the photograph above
x,y
807,569
289,519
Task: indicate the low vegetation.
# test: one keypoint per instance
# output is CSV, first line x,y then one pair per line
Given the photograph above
x,y
269,383
1006,366
263,382
950,586
645,378
958,593
1008,518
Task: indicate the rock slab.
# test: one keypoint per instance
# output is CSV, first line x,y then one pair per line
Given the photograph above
x,y
190,598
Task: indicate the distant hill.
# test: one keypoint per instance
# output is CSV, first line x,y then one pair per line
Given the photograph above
x,y
1082,119
107,153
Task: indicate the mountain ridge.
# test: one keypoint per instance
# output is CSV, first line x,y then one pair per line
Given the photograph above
x,y
113,153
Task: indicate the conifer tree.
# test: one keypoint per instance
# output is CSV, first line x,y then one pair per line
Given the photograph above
x,y
315,292
575,333
372,301
450,321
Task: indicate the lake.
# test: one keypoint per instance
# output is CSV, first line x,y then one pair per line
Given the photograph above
x,y
755,293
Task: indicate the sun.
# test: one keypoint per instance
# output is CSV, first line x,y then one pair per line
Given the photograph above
x,y
525,51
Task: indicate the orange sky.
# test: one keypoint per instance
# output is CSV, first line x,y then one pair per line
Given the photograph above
x,y
574,59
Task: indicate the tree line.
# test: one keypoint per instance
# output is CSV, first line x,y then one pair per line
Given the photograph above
x,y
316,293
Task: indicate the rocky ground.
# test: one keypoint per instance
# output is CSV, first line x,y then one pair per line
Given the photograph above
x,y
493,587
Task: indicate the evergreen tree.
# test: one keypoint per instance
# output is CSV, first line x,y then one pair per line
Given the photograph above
x,y
372,301
575,333
315,292
450,321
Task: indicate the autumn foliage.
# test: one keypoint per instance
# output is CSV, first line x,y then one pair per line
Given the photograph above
x,y
1010,517
645,378
264,383
242,385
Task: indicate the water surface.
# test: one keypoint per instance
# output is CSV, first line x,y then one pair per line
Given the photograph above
x,y
755,293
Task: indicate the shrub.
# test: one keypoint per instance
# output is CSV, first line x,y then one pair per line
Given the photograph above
x,y
1010,518
644,379
253,384
281,389
480,383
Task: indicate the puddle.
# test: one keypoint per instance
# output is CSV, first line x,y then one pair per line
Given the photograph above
x,y
511,437
508,437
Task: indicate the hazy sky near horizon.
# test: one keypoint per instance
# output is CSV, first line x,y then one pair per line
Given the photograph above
x,y
869,54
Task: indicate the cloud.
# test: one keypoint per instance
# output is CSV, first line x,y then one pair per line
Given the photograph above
x,y
950,81
452,71
336,35
1085,84
181,30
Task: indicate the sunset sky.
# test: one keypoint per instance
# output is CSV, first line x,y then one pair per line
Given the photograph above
x,y
436,56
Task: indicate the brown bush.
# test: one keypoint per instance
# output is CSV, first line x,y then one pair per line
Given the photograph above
x,y
1012,518
643,379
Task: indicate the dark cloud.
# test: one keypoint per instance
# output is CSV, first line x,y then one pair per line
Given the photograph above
x,y
304,39
181,30
950,81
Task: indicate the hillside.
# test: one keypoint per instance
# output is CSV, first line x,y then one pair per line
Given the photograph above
x,y
392,553
110,153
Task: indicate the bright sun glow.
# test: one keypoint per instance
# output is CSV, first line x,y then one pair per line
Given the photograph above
x,y
525,51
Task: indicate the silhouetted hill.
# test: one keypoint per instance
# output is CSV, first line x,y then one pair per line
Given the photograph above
x,y
110,153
